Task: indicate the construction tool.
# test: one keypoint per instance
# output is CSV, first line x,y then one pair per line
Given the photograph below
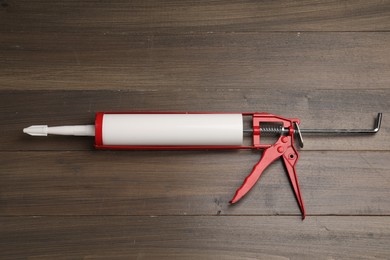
x,y
188,131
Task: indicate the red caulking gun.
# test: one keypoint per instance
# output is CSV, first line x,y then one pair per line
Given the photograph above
x,y
188,131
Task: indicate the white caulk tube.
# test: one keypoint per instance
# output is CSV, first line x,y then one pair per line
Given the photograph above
x,y
113,130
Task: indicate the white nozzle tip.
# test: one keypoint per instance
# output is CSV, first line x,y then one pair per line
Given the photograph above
x,y
36,130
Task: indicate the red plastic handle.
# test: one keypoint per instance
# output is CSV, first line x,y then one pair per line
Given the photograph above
x,y
269,155
284,147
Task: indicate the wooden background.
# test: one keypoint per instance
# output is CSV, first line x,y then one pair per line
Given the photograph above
x,y
326,62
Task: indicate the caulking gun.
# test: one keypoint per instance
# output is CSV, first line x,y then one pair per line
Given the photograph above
x,y
192,130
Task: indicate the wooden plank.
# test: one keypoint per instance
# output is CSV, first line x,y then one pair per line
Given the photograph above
x,y
315,108
190,16
194,237
326,62
82,60
188,183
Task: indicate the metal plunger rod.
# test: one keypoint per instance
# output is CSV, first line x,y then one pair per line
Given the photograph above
x,y
282,131
374,130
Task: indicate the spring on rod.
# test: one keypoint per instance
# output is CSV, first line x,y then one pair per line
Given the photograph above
x,y
271,130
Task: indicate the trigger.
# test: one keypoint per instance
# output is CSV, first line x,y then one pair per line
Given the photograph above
x,y
269,156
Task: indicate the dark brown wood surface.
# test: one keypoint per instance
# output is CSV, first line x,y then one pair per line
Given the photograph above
x,y
326,62
195,237
86,59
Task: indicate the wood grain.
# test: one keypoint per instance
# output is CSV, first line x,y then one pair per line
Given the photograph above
x,y
326,62
315,108
189,16
168,183
83,60
194,237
